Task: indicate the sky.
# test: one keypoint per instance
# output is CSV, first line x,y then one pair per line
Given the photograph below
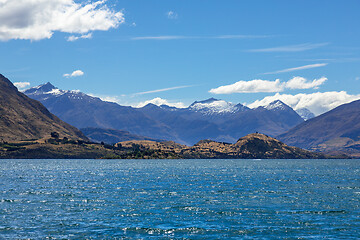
x,y
305,53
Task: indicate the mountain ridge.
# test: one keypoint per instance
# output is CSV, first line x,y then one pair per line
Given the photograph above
x,y
211,119
112,136
335,130
252,146
24,118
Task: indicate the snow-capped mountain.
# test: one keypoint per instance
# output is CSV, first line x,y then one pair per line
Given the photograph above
x,y
82,111
48,91
305,113
215,106
209,119
41,89
276,105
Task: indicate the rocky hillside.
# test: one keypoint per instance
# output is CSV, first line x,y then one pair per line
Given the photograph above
x,y
24,118
252,146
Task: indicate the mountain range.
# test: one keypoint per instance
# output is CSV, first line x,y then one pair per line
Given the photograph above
x,y
28,129
22,118
209,119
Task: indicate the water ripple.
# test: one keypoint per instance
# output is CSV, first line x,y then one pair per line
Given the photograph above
x,y
179,199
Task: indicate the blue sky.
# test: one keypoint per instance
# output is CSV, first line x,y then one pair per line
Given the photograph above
x,y
133,51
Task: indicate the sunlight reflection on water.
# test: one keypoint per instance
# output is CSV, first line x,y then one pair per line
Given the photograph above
x,y
179,199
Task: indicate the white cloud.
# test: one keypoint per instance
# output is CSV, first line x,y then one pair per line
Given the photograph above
x,y
171,15
177,37
22,85
123,101
39,19
317,103
240,36
258,85
159,38
162,90
73,38
160,101
291,48
252,86
113,99
107,98
299,68
302,83
76,73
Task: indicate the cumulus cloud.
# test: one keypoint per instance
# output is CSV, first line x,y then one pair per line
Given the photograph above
x,y
39,19
258,85
160,101
299,68
302,83
317,103
252,86
76,73
172,15
22,85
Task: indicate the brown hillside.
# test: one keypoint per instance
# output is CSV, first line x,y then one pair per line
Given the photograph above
x,y
251,146
23,118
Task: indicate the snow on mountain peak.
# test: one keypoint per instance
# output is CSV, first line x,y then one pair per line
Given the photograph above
x,y
305,113
47,90
41,89
56,92
211,106
277,104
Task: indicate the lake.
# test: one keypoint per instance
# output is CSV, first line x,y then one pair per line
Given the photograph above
x,y
180,199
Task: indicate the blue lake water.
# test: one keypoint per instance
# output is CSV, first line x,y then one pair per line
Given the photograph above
x,y
180,199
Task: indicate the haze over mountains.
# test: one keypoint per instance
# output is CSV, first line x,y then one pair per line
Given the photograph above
x,y
210,119
22,118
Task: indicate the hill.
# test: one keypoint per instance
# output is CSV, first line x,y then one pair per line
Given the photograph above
x,y
111,136
24,118
336,130
252,146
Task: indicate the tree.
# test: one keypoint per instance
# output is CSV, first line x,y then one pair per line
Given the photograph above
x,y
55,135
